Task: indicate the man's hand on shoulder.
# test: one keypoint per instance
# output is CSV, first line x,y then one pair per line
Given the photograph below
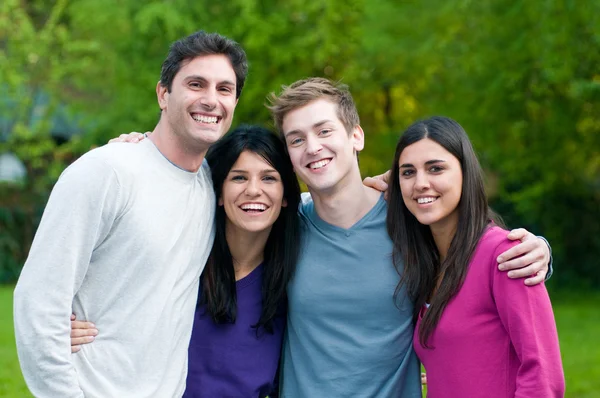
x,y
529,259
379,182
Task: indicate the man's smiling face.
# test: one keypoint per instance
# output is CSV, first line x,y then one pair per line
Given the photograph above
x,y
321,149
200,106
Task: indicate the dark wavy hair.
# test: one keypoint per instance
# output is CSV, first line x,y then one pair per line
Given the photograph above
x,y
203,43
413,241
281,251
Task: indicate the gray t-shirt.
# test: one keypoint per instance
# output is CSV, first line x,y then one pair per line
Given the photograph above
x,y
346,337
123,240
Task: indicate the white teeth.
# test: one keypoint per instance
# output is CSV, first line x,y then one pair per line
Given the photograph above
x,y
426,200
319,164
205,119
254,206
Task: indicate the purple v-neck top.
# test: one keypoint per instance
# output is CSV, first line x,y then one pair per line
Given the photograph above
x,y
230,360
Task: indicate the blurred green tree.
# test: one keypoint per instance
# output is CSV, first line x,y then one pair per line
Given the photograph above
x,y
522,77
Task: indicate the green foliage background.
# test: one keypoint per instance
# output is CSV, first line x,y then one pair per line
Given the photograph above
x,y
522,77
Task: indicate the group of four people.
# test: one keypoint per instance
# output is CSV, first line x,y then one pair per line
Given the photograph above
x,y
301,299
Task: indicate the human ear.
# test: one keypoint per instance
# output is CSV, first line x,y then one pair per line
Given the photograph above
x,y
358,135
162,93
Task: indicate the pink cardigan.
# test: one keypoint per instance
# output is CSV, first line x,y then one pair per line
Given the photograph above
x,y
496,338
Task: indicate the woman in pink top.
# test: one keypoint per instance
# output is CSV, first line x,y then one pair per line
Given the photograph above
x,y
478,333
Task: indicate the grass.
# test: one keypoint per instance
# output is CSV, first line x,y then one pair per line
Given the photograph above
x,y
577,318
11,381
578,321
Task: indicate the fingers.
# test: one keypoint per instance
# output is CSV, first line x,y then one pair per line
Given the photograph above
x,y
523,267
375,183
518,233
82,325
82,333
423,379
536,279
386,176
510,258
133,137
527,245
77,341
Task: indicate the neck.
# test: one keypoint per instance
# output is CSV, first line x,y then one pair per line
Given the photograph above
x,y
346,203
443,233
181,154
246,248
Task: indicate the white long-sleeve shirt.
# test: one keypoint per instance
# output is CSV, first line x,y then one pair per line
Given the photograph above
x,y
123,240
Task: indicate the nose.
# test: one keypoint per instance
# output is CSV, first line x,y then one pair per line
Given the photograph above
x,y
253,188
421,181
208,99
313,146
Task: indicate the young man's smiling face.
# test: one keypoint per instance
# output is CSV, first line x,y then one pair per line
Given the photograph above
x,y
321,149
199,109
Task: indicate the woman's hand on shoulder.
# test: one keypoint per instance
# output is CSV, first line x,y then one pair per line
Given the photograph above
x,y
133,137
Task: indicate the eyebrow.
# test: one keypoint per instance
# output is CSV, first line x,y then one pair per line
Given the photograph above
x,y
427,163
246,171
198,77
314,126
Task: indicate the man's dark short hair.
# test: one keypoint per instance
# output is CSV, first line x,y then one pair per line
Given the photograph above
x,y
203,43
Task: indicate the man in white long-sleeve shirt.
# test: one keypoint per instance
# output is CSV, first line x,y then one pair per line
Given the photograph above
x,y
123,240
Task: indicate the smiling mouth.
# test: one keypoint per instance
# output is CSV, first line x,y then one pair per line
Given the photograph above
x,y
206,119
423,201
318,164
253,207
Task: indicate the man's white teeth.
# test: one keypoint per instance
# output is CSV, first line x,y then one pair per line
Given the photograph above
x,y
205,119
319,164
426,200
254,206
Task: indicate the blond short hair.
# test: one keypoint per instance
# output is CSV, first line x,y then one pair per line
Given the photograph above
x,y
302,92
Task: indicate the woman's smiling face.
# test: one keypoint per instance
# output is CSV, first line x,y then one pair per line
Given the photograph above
x,y
252,194
430,180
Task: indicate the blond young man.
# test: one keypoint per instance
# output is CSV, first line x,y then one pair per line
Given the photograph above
x,y
346,336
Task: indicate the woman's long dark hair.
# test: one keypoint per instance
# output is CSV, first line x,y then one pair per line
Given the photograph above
x,y
282,247
413,241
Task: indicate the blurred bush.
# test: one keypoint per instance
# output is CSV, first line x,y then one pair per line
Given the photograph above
x,y
522,77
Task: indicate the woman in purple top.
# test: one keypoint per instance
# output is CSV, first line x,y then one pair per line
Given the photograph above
x,y
239,323
478,333
241,313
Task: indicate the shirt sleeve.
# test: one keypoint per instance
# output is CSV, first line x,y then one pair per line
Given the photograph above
x,y
78,216
526,313
550,268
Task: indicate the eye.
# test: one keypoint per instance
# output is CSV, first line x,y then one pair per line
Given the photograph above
x,y
296,141
436,169
406,172
325,131
238,178
270,178
195,84
226,89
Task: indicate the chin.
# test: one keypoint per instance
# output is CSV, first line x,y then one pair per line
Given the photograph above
x,y
258,228
320,186
426,220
